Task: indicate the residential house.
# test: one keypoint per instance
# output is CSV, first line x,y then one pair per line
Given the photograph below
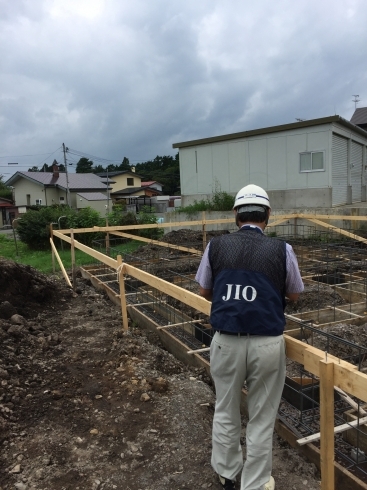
x,y
120,180
306,164
152,184
47,188
7,212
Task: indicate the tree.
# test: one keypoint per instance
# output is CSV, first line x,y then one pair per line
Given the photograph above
x,y
47,168
125,165
84,166
165,170
98,169
5,191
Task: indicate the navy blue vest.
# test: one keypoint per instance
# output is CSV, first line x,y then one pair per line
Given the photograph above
x,y
249,271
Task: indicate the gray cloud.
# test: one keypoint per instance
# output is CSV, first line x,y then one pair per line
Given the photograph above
x,y
123,78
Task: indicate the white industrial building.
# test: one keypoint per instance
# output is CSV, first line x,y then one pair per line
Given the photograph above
x,y
306,164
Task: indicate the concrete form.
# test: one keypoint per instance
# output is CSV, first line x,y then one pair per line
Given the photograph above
x,y
157,296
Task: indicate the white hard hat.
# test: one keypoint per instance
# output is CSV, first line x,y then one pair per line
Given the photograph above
x,y
251,194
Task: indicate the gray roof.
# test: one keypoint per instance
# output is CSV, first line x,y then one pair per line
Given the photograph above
x,y
75,181
273,129
93,196
128,191
359,116
117,172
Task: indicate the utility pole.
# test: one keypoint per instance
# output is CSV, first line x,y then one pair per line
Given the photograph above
x,y
108,194
67,176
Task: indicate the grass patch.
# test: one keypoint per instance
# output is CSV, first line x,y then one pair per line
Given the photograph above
x,y
219,201
42,259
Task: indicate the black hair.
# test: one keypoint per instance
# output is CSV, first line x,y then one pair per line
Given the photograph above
x,y
252,217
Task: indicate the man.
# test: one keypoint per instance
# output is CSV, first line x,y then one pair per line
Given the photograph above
x,y
247,276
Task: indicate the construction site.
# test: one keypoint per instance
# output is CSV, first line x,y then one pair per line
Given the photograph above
x,y
111,389
323,410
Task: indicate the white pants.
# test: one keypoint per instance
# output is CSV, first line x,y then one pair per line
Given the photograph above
x,y
260,361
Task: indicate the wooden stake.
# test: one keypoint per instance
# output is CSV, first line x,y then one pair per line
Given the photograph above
x,y
73,259
60,263
125,322
327,424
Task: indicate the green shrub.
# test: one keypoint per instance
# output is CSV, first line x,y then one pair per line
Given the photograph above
x,y
118,217
86,218
34,226
220,201
147,217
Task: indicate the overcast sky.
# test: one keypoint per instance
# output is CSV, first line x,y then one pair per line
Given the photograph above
x,y
116,78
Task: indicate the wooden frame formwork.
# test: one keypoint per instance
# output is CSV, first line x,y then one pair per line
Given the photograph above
x,y
331,371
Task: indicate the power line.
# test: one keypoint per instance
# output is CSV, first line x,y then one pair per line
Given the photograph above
x,y
34,155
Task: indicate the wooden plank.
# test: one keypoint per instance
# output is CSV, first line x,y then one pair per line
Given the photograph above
x,y
351,402
338,230
350,380
197,351
326,369
176,224
176,324
166,287
90,251
344,311
332,217
278,222
306,354
66,277
337,430
157,242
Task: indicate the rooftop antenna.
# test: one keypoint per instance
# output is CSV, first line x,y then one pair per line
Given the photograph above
x,y
355,100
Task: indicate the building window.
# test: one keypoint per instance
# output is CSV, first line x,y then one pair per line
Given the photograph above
x,y
312,161
62,200
38,202
130,181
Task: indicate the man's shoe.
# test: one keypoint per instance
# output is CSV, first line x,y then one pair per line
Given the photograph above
x,y
270,485
226,484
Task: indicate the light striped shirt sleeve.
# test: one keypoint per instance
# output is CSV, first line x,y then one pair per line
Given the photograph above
x,y
204,274
293,281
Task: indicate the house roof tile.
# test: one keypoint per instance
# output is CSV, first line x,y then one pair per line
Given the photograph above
x,y
75,181
359,116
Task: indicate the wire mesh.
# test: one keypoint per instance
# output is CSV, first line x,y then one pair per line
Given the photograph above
x,y
330,315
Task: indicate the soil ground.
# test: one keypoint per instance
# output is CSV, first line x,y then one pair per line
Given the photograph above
x,y
85,407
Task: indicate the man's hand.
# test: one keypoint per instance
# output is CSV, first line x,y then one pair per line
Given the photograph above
x,y
206,293
292,296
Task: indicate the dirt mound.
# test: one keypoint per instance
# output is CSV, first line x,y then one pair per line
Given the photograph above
x,y
190,238
26,289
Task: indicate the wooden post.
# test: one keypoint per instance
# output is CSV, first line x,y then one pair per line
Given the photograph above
x,y
52,250
125,323
327,424
73,266
204,231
